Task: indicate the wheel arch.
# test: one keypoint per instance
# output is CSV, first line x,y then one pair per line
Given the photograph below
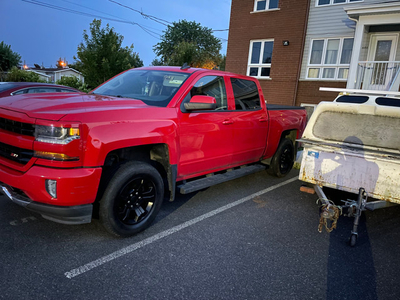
x,y
290,134
158,155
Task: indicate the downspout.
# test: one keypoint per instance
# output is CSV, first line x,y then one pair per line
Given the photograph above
x,y
301,53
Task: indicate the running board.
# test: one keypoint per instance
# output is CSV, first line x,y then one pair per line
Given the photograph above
x,y
214,179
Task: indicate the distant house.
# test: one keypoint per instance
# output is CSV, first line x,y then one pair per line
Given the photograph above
x,y
55,74
42,76
296,46
352,44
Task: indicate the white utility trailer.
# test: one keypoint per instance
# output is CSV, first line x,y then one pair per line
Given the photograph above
x,y
353,144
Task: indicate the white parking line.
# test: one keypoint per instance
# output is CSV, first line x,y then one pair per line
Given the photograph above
x,y
101,261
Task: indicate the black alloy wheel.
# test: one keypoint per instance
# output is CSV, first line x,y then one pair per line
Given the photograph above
x,y
135,200
132,198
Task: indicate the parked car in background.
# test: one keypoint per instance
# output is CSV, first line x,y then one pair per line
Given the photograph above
x,y
17,88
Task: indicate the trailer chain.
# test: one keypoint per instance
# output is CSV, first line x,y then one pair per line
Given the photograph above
x,y
329,211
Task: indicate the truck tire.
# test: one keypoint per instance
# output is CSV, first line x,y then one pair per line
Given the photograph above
x,y
283,159
132,199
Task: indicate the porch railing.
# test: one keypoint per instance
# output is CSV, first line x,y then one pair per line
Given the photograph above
x,y
378,75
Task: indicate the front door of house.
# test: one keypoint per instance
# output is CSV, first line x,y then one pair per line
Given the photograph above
x,y
380,69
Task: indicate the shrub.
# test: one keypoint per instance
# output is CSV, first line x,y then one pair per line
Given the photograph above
x,y
17,75
73,82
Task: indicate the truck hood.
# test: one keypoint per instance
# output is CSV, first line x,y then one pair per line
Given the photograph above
x,y
54,106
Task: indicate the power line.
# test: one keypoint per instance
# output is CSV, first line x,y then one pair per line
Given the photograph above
x,y
64,9
153,18
116,19
74,11
87,7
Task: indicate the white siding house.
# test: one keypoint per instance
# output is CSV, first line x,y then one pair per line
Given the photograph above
x,y
376,53
68,72
353,41
55,74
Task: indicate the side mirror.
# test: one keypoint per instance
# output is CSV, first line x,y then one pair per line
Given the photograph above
x,y
199,102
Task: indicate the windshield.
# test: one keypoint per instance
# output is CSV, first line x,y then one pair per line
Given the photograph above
x,y
152,87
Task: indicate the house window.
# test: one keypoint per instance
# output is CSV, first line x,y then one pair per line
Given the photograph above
x,y
330,2
260,56
261,5
330,58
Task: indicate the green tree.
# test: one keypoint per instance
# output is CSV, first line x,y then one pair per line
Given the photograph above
x,y
101,56
156,62
8,58
74,82
17,75
188,42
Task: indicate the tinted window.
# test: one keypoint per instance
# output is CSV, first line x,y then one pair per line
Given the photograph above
x,y
67,91
213,86
20,92
352,99
43,90
388,101
246,94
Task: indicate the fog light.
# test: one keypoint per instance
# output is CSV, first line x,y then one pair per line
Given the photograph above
x,y
51,187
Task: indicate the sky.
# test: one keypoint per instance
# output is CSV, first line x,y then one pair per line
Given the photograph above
x,y
41,35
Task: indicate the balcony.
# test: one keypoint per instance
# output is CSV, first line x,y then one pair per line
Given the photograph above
x,y
378,75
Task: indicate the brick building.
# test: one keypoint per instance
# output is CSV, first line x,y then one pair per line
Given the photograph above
x,y
256,31
296,46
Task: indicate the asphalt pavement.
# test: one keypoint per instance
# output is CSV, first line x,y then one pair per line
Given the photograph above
x,y
252,238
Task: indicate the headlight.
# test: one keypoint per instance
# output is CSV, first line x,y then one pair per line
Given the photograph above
x,y
56,135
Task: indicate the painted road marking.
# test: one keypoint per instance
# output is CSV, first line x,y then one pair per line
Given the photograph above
x,y
101,261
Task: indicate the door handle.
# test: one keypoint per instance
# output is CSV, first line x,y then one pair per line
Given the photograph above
x,y
227,122
263,119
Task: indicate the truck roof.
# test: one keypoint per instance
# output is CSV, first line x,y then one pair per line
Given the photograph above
x,y
191,70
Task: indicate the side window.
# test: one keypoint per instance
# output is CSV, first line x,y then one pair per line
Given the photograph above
x,y
20,92
246,94
213,86
43,90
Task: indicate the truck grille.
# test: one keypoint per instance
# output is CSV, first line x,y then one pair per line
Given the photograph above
x,y
17,127
16,154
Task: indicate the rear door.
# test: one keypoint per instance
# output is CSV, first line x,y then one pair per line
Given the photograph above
x,y
250,121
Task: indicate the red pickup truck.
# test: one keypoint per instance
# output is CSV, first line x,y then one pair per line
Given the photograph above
x,y
116,152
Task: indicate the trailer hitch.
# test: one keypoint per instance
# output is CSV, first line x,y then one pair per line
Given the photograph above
x,y
331,212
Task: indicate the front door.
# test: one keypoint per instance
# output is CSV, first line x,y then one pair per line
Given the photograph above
x,y
380,69
206,137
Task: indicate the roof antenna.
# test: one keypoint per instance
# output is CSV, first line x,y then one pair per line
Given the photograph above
x,y
185,66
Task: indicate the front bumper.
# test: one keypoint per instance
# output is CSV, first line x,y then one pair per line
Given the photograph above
x,y
76,192
79,214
